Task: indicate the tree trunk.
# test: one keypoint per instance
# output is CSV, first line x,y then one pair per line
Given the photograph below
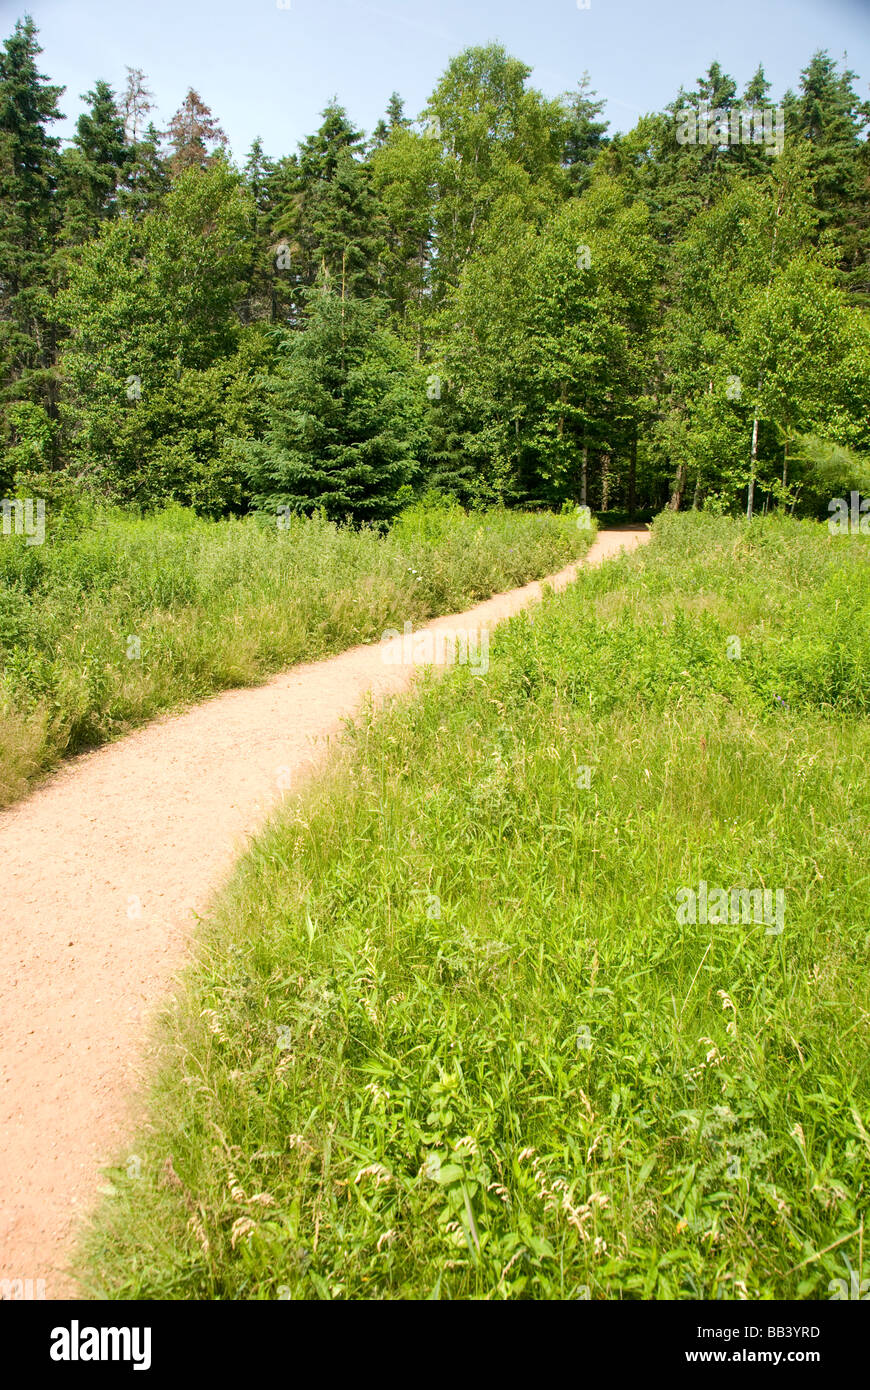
x,y
584,473
605,481
753,457
679,487
632,476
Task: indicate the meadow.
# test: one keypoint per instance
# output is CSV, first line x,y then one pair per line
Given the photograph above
x,y
115,618
447,1034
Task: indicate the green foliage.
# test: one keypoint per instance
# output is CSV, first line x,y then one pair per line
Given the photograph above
x,y
32,447
346,417
156,354
28,218
546,344
218,604
711,262
336,225
93,167
758,330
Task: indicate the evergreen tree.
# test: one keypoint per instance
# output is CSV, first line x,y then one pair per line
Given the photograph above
x,y
395,119
828,115
147,176
272,276
586,135
346,416
93,166
257,168
192,131
28,220
331,214
147,179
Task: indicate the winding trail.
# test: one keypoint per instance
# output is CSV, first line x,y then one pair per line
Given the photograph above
x,y
104,868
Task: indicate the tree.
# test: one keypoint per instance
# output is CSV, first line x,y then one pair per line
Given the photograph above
x,y
499,142
394,120
346,416
404,172
586,135
544,348
332,214
828,116
729,253
153,344
192,130
799,342
758,343
147,177
92,168
136,104
28,220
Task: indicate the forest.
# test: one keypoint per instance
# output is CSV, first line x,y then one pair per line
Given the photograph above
x,y
498,300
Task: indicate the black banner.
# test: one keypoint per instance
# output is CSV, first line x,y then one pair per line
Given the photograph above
x,y
85,1339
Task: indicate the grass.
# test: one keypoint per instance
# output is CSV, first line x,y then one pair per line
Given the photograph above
x,y
446,1035
114,619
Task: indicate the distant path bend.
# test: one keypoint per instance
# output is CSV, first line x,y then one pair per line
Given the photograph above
x,y
103,869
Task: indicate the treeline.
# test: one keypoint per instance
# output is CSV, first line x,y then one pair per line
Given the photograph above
x,y
498,300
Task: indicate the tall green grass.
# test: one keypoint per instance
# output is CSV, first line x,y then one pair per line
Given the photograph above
x,y
210,605
446,1036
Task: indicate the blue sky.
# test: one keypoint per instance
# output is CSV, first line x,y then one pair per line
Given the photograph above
x,y
268,70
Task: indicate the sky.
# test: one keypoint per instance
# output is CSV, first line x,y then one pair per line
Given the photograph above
x,y
268,67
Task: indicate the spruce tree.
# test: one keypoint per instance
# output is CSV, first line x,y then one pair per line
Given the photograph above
x,y
194,135
346,416
28,217
333,211
829,117
93,166
395,119
147,174
586,135
147,179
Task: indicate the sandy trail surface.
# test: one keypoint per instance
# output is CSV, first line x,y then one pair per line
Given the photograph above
x,y
104,869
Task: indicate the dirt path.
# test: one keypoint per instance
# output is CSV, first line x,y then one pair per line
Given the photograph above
x,y
103,869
